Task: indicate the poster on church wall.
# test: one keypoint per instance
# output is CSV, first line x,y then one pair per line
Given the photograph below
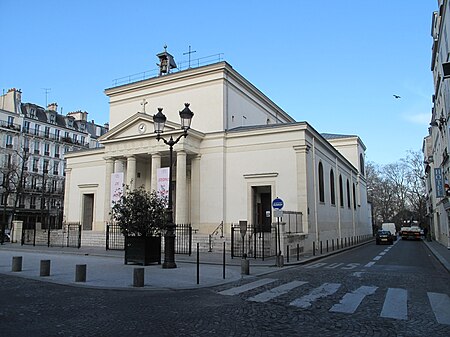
x,y
116,187
162,187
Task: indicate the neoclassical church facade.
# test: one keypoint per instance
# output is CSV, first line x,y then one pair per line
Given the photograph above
x,y
242,151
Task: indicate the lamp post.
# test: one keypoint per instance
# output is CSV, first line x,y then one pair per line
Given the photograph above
x,y
169,236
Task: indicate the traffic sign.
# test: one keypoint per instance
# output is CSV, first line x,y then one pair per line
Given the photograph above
x,y
277,203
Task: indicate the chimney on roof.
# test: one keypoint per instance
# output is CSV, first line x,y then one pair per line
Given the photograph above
x,y
52,107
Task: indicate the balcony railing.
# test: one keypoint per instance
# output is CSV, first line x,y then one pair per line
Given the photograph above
x,y
10,126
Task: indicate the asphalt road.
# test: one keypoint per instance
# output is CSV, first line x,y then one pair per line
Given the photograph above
x,y
398,290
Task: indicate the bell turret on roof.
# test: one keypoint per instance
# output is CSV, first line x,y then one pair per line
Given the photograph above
x,y
166,62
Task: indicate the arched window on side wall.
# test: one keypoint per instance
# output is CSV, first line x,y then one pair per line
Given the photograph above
x,y
321,184
341,192
332,190
348,194
354,196
361,164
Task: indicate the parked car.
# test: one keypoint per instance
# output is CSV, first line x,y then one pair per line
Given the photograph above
x,y
384,237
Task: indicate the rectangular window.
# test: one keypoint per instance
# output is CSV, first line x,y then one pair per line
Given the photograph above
x,y
45,166
36,129
36,147
47,149
55,168
10,120
26,126
35,164
9,141
32,202
57,133
82,139
52,118
21,201
56,150
54,185
3,199
47,132
75,138
33,183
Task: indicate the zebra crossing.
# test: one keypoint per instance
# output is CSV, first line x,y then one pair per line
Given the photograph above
x,y
395,305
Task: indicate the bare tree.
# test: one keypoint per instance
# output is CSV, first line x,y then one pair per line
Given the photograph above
x,y
397,191
12,171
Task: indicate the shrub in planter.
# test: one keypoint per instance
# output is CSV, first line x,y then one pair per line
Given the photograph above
x,y
141,216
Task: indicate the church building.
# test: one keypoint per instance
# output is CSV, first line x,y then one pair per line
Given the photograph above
x,y
242,152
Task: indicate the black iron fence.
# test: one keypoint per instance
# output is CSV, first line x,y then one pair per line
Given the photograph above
x,y
183,239
256,243
74,235
68,236
115,240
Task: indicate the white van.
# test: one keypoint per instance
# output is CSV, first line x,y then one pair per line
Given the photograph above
x,y
390,226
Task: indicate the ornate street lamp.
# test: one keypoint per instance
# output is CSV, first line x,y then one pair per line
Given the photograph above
x,y
159,120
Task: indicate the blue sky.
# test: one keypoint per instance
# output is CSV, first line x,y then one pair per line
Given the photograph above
x,y
335,64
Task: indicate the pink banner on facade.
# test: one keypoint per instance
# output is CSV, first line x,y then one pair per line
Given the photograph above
x,y
116,186
162,186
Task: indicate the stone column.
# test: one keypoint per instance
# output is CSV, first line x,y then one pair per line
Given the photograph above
x,y
109,170
156,164
195,190
131,172
67,188
301,152
181,214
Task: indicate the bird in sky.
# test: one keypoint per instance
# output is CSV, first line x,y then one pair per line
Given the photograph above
x,y
396,96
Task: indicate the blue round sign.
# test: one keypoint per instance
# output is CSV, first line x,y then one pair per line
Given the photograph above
x,y
277,203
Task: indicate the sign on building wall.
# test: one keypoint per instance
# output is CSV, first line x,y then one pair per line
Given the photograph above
x,y
439,182
162,187
116,186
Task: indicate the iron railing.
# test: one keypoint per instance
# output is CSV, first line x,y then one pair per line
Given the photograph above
x,y
115,240
255,244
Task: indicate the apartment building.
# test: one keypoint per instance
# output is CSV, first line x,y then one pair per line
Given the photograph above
x,y
32,165
436,144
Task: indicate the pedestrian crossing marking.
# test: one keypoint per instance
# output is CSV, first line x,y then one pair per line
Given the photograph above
x,y
277,291
324,290
350,302
395,304
440,303
246,287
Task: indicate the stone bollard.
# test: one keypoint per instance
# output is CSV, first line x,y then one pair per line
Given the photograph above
x,y
45,268
16,263
280,260
80,273
245,267
138,277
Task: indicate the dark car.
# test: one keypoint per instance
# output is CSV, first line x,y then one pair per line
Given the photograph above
x,y
384,237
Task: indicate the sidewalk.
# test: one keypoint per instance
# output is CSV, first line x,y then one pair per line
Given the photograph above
x,y
106,269
441,252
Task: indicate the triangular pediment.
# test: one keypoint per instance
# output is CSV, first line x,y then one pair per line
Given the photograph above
x,y
140,125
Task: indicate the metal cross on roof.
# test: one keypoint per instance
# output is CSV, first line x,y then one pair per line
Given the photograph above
x,y
144,103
